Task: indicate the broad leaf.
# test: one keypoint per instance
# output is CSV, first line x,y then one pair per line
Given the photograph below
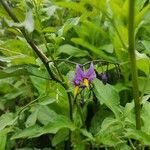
x,y
28,132
72,51
61,135
107,95
59,123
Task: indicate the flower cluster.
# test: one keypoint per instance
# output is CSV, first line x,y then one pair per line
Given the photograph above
x,y
82,78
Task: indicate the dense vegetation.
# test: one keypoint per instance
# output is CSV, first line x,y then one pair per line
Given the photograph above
x,y
74,74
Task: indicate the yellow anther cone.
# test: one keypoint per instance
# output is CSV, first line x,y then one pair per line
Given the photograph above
x,y
86,82
76,89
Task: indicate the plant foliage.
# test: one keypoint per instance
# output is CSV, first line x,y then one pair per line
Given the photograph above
x,y
39,49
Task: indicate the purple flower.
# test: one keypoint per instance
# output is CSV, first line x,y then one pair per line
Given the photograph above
x,y
79,76
103,77
82,78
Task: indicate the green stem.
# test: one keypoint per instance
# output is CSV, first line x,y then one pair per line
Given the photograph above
x,y
132,145
79,109
133,66
81,114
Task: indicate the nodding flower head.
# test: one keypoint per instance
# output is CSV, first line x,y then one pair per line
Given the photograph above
x,y
82,78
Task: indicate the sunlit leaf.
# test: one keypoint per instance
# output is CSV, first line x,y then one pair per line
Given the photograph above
x,y
7,120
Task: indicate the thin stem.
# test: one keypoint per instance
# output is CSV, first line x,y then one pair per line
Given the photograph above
x,y
79,108
80,112
132,145
70,105
28,105
67,61
133,66
88,62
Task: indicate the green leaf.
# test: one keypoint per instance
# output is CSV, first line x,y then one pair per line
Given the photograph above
x,y
139,16
92,48
87,134
144,83
31,120
6,119
139,4
145,115
41,112
107,48
59,123
25,69
110,133
72,51
46,100
18,59
78,7
146,44
40,84
143,63
64,68
46,115
93,27
15,47
107,95
16,52
3,12
129,114
100,4
29,21
60,136
144,138
68,25
98,118
30,132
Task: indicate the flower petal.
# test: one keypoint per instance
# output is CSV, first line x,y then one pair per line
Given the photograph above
x,y
79,75
90,74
